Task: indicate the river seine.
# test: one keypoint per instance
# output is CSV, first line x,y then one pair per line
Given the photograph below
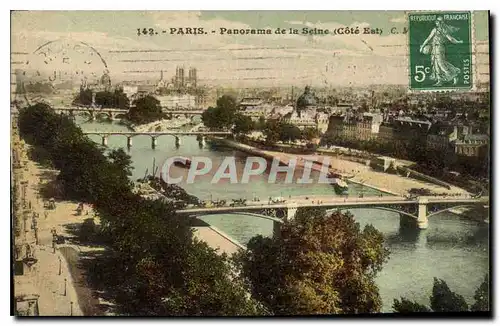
x,y
453,248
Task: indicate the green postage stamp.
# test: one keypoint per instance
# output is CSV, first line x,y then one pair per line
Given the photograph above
x,y
440,50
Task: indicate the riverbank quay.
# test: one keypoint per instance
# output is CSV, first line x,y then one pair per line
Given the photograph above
x,y
48,252
359,173
160,125
215,238
43,282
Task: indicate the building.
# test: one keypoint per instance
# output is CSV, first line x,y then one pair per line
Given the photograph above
x,y
474,145
356,127
254,107
307,100
144,90
250,102
180,80
410,130
184,101
386,132
130,91
322,121
441,137
342,108
280,111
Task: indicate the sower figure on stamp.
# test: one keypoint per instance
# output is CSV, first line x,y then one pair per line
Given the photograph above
x,y
442,70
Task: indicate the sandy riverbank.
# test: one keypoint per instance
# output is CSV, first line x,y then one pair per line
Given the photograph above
x,y
161,125
365,175
359,173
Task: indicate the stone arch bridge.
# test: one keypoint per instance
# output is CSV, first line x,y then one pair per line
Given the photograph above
x,y
155,135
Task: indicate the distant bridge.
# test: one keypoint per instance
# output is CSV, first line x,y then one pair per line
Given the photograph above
x,y
155,134
92,111
190,112
113,112
419,209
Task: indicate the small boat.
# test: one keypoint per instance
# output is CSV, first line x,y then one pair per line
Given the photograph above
x,y
334,175
340,186
185,163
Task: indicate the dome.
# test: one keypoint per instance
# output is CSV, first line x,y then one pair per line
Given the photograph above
x,y
105,80
306,99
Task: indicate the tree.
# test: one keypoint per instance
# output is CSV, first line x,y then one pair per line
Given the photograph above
x,y
84,97
445,300
261,123
243,124
310,133
122,160
223,115
121,100
482,296
105,99
146,109
272,131
406,306
319,264
289,132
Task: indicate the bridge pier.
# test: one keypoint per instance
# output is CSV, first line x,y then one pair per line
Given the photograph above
x,y
154,142
291,210
177,141
92,116
104,140
201,141
276,230
129,141
289,215
422,221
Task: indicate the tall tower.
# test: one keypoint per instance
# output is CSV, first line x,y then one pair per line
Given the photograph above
x,y
177,79
192,76
181,77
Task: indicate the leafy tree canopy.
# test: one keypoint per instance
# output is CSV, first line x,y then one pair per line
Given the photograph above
x,y
320,264
146,109
223,115
445,300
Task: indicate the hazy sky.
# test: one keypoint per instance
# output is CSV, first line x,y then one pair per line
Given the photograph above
x,y
239,60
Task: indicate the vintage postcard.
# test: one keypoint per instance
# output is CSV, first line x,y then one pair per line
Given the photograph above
x,y
250,163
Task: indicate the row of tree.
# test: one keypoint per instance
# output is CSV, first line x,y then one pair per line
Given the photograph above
x,y
432,162
143,110
105,99
156,267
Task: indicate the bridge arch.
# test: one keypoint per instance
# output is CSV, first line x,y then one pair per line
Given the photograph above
x,y
382,208
449,208
265,217
107,114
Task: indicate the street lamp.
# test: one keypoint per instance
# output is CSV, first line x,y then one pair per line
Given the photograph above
x,y
65,281
59,265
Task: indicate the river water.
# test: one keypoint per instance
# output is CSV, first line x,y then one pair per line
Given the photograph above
x,y
453,248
